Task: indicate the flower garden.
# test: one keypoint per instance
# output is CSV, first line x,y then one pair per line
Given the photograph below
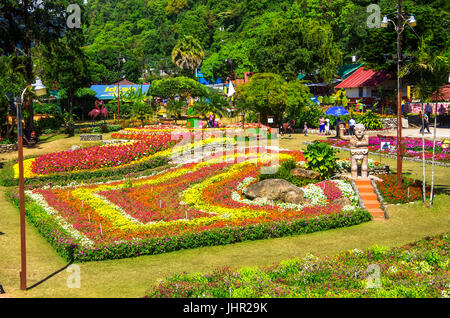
x,y
418,270
412,146
185,204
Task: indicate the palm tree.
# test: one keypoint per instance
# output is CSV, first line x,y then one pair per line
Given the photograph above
x,y
188,54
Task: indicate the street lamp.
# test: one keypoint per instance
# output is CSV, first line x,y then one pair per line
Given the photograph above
x,y
120,61
399,27
39,90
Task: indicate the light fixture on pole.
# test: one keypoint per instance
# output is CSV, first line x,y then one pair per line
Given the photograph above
x,y
39,90
399,27
120,61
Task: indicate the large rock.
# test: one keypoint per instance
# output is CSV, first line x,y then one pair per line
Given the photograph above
x,y
277,190
341,202
304,173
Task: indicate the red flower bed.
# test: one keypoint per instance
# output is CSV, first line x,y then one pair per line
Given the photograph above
x,y
392,194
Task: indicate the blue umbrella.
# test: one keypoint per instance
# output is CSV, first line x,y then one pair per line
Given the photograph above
x,y
336,111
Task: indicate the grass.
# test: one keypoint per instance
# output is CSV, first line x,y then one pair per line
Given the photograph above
x,y
134,276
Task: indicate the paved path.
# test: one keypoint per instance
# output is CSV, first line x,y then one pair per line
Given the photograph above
x,y
414,132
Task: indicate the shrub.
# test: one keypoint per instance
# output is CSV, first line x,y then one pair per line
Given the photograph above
x,y
371,121
49,123
48,109
284,172
320,158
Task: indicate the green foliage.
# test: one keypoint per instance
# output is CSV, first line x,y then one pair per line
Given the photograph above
x,y
188,54
284,172
53,123
12,83
288,45
47,108
270,94
345,275
320,158
214,103
181,87
311,115
370,120
141,110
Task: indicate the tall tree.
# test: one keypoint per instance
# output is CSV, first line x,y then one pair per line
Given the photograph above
x,y
270,94
63,62
188,54
29,23
11,84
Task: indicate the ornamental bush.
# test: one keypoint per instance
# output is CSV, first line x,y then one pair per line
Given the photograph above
x,y
370,120
320,158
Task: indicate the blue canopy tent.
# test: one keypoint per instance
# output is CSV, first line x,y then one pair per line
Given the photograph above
x,y
336,111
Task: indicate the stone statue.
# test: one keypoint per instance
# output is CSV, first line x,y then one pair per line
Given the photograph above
x,y
359,149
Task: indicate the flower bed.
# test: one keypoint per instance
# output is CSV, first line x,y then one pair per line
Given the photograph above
x,y
96,158
393,195
419,270
186,206
144,133
412,146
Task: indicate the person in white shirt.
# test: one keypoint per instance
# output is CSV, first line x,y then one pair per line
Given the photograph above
x,y
327,126
351,126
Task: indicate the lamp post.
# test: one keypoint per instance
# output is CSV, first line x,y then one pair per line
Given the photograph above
x,y
120,61
399,27
40,90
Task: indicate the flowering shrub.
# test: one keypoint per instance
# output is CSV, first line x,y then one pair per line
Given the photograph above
x,y
346,275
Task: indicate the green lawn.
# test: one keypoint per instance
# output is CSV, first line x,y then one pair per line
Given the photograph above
x,y
133,277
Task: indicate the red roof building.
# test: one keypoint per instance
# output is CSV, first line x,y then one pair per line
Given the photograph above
x,y
364,78
363,84
444,94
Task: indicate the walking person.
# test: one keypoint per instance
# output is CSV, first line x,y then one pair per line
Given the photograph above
x,y
425,124
321,126
327,126
305,128
351,126
441,111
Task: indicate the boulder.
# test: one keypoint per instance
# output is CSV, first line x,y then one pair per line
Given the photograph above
x,y
74,147
305,173
341,202
276,189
